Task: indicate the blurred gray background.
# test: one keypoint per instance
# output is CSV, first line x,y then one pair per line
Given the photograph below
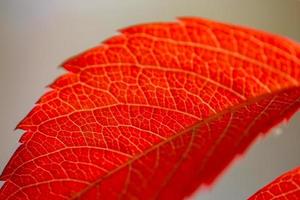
x,y
37,35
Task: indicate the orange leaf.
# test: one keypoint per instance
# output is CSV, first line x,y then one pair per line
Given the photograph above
x,y
154,112
287,186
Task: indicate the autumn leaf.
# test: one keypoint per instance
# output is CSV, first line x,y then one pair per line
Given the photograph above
x,y
154,112
287,186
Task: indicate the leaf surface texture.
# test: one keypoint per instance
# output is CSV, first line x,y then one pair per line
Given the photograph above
x,y
154,112
287,186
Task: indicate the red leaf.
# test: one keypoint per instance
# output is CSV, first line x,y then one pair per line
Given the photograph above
x,y
154,112
287,186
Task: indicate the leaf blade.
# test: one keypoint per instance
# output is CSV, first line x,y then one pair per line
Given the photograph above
x,y
285,186
142,88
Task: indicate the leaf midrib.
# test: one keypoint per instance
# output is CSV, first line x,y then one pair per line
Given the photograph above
x,y
194,126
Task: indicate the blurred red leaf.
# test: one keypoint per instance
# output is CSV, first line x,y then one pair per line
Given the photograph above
x,y
154,112
287,186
